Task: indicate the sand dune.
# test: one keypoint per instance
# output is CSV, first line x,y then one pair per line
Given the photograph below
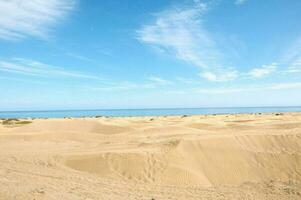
x,y
244,156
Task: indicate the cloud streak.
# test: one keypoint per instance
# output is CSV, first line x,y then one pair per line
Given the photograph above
x,y
292,57
180,32
295,67
223,76
36,68
263,71
151,82
159,81
276,86
35,18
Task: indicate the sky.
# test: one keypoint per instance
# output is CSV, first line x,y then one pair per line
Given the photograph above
x,y
97,54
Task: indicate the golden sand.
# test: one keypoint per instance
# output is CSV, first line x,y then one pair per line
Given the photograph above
x,y
246,156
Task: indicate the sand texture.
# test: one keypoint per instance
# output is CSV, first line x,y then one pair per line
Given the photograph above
x,y
245,156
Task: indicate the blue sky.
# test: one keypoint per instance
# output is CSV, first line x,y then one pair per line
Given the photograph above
x,y
78,54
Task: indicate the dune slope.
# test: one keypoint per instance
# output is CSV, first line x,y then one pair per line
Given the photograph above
x,y
195,157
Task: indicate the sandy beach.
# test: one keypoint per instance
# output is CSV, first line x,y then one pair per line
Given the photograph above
x,y
242,156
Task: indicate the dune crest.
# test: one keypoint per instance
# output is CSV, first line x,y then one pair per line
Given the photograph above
x,y
195,157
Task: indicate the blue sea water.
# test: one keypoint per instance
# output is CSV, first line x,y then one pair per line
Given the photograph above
x,y
142,112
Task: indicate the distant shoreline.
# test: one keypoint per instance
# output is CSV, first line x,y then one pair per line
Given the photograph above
x,y
79,114
114,109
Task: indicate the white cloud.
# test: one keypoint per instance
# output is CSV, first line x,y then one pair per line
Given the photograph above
x,y
240,2
36,68
231,90
295,67
159,80
280,86
150,83
222,76
292,57
122,86
180,32
293,53
219,90
80,57
23,18
263,71
276,86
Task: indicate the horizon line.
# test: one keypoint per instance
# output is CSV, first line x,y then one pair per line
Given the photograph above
x,y
156,108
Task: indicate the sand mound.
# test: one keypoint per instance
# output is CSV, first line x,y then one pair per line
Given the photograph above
x,y
204,162
213,157
56,126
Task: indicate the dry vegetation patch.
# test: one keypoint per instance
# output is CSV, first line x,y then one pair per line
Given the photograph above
x,y
14,121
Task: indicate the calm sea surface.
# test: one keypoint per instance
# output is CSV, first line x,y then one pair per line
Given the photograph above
x,y
142,112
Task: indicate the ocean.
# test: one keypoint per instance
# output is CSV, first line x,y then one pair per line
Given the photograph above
x,y
142,112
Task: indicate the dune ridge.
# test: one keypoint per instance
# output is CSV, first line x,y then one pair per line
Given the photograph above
x,y
243,156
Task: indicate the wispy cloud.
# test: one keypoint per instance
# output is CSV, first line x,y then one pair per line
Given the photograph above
x,y
13,79
159,81
263,70
279,86
293,53
218,90
240,2
20,19
295,67
254,88
292,57
36,68
80,57
241,89
114,86
222,76
179,31
232,74
151,82
232,90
